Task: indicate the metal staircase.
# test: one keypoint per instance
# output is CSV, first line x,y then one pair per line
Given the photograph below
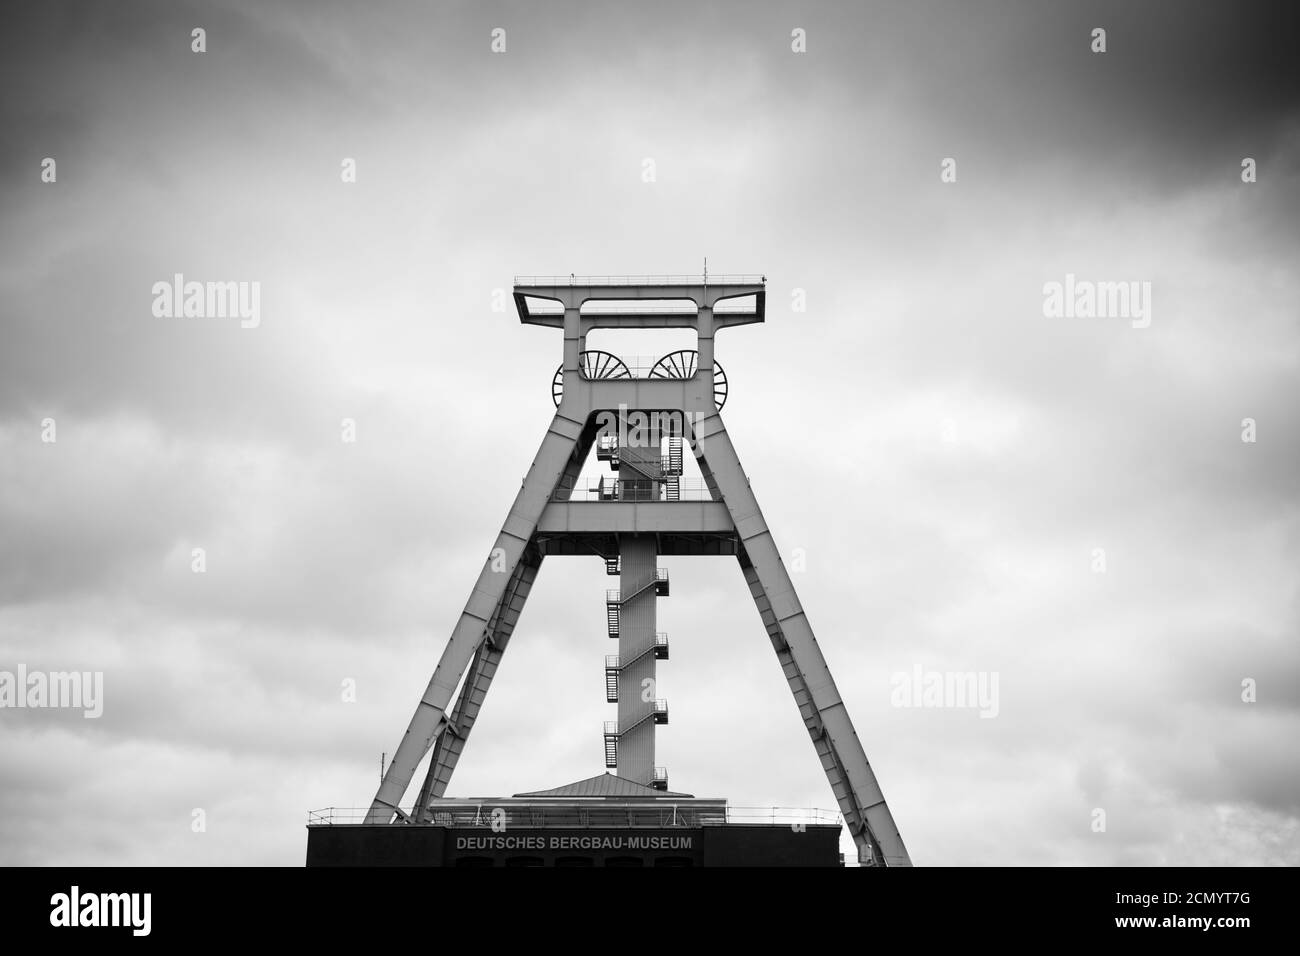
x,y
614,664
611,678
611,744
672,469
658,647
614,599
611,612
658,713
655,470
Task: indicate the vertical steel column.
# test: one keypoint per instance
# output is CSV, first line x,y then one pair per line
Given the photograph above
x,y
636,633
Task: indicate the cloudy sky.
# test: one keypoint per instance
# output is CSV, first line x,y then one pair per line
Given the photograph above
x,y
948,458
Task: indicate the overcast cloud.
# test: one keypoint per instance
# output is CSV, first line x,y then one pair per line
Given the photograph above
x,y
947,457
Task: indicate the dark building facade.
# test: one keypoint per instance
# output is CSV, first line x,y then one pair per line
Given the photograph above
x,y
602,821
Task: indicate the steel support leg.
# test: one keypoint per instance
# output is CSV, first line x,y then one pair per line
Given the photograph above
x,y
431,720
823,711
451,743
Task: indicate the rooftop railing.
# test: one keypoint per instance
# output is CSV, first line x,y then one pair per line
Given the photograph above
x,y
787,816
592,814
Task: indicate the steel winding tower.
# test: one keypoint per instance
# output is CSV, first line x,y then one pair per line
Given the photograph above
x,y
638,420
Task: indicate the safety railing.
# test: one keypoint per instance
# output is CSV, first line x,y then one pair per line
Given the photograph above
x,y
659,582
569,813
631,366
614,489
572,279
784,816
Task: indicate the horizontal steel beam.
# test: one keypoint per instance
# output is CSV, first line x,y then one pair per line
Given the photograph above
x,y
605,543
649,517
572,296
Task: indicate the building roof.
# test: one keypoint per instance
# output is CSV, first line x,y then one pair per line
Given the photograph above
x,y
606,785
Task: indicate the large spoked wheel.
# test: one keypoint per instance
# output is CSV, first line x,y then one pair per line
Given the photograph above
x,y
682,365
594,364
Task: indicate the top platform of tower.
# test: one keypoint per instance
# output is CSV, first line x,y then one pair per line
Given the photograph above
x,y
662,301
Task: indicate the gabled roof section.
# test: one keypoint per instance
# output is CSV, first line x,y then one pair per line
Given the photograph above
x,y
606,785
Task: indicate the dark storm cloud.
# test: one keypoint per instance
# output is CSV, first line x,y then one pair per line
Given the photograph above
x,y
1015,86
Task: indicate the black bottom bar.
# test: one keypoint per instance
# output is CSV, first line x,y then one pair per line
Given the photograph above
x,y
1146,907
